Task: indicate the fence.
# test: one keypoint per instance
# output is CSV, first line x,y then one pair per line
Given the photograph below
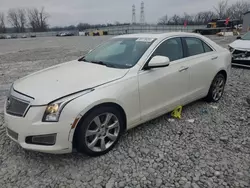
x,y
130,29
40,34
117,30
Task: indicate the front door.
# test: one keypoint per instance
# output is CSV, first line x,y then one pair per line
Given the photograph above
x,y
162,89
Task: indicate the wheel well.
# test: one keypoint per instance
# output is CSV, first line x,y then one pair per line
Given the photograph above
x,y
224,73
110,104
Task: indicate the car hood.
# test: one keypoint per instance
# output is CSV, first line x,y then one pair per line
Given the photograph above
x,y
241,44
64,79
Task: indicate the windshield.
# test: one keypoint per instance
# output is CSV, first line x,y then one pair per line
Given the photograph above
x,y
246,36
120,52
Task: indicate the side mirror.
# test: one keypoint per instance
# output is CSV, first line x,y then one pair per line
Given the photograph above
x,y
158,61
239,37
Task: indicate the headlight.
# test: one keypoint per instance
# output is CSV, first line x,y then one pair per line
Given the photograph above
x,y
52,112
230,49
11,87
54,109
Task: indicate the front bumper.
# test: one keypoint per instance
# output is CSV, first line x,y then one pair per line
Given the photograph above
x,y
19,128
242,63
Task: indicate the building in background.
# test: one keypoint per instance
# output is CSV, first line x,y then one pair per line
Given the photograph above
x,y
246,22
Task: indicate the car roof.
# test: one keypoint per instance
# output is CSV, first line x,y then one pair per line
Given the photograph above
x,y
156,35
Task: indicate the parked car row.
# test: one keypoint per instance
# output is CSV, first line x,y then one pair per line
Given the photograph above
x,y
5,37
64,34
16,36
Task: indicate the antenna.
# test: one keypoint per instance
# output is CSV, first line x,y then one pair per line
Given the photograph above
x,y
142,20
133,15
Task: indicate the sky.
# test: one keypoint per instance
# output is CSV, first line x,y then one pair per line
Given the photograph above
x,y
71,12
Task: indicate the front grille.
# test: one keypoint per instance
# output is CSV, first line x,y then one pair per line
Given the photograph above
x,y
240,53
12,134
16,106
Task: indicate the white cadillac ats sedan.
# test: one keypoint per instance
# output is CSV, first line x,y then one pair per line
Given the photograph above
x,y
87,104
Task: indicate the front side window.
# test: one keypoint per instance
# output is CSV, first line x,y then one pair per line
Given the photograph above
x,y
171,48
206,47
120,52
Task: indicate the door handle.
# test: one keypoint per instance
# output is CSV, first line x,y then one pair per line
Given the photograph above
x,y
183,69
213,58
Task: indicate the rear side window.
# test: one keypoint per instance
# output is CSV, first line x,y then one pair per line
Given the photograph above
x,y
171,48
207,48
194,46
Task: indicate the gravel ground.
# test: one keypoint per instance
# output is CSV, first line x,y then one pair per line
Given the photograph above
x,y
208,147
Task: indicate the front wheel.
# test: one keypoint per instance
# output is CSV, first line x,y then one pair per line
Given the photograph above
x,y
217,88
99,131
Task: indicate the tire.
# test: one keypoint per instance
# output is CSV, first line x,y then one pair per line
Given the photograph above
x,y
217,86
93,131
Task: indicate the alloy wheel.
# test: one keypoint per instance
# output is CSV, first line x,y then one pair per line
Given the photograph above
x,y
218,88
102,132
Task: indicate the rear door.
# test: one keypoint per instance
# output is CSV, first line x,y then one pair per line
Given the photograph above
x,y
201,59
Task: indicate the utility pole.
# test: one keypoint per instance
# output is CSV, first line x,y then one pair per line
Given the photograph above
x,y
142,19
133,15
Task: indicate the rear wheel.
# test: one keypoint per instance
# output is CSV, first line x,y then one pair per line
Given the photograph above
x,y
99,131
217,88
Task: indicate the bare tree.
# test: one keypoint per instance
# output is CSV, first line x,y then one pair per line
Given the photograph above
x,y
83,26
2,23
17,18
204,17
13,19
43,19
22,19
222,9
163,20
117,23
188,18
237,9
179,20
175,19
38,20
33,19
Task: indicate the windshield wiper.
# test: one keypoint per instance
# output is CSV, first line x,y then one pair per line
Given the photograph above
x,y
102,63
99,63
82,59
96,62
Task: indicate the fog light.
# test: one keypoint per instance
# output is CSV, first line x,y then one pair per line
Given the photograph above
x,y
48,140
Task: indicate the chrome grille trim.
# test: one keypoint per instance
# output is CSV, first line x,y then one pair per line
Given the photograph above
x,y
16,106
21,99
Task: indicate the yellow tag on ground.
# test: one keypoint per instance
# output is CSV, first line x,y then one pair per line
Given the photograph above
x,y
176,113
